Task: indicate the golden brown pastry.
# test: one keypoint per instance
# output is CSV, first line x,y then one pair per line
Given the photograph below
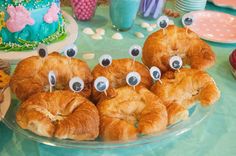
x,y
4,79
131,112
116,74
158,48
31,74
62,114
180,90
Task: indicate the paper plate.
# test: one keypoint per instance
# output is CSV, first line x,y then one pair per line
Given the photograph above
x,y
72,34
224,3
214,26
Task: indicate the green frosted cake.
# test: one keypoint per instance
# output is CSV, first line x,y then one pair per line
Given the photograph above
x,y
24,24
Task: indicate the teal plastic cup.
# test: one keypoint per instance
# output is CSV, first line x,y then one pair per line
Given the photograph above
x,y
123,13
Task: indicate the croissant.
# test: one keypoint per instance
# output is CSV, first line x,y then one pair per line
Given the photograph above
x,y
31,74
120,114
161,45
62,114
180,90
116,74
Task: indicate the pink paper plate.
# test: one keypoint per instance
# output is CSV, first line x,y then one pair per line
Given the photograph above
x,y
225,3
214,26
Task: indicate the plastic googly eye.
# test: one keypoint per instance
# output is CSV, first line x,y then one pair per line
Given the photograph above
x,y
105,60
135,51
52,78
187,20
42,50
155,73
71,51
133,79
175,62
163,22
101,84
76,84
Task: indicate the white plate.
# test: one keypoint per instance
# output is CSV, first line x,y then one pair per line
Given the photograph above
x,y
72,33
6,102
214,26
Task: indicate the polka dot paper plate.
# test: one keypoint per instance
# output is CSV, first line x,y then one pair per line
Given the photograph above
x,y
213,26
224,3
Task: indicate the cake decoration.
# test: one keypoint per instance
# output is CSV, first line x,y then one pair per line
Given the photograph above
x,y
52,14
51,80
155,73
135,51
163,22
101,84
19,18
2,20
133,79
105,60
76,84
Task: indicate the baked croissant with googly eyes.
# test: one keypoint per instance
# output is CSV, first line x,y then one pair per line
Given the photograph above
x,y
131,113
163,44
116,71
181,90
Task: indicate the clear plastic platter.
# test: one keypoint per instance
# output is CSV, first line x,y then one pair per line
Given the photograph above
x,y
197,115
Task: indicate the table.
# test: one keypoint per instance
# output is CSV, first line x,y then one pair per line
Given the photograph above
x,y
215,136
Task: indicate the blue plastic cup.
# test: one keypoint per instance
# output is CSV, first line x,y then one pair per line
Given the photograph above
x,y
123,13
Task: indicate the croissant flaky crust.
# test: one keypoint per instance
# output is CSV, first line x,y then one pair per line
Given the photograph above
x,y
31,74
180,90
116,74
62,114
131,112
161,45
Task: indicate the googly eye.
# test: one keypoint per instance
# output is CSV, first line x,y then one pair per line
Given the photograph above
x,y
133,79
187,20
76,84
175,62
155,73
135,51
42,50
101,84
71,51
105,60
163,22
52,78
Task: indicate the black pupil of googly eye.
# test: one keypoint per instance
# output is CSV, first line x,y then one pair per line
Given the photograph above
x,y
135,52
133,80
188,21
53,80
101,86
156,74
106,62
71,52
176,64
163,24
42,52
77,86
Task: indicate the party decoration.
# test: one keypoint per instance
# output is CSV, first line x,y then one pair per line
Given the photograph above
x,y
105,60
42,50
101,84
2,21
163,22
155,73
175,62
71,51
76,84
19,18
51,80
133,79
135,51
